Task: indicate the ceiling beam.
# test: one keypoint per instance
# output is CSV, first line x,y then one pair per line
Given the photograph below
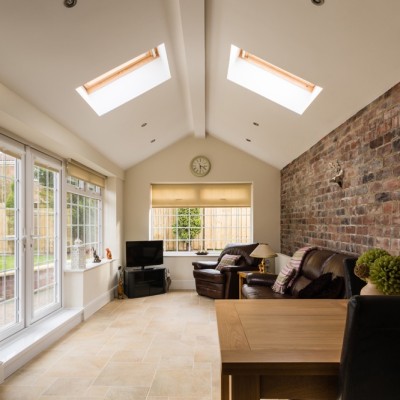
x,y
193,29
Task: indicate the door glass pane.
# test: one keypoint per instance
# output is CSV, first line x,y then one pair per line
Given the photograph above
x,y
45,240
9,272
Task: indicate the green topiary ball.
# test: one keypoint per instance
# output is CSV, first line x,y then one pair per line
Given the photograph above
x,y
365,261
385,273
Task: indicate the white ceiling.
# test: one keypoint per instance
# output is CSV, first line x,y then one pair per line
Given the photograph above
x,y
349,47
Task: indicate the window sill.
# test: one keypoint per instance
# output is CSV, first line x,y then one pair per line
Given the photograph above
x,y
90,266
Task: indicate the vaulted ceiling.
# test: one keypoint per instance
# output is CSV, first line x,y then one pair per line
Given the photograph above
x,y
349,48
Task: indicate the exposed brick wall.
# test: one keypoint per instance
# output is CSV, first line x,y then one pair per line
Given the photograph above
x,y
364,213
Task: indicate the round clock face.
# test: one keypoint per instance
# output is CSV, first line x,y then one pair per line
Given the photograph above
x,y
200,166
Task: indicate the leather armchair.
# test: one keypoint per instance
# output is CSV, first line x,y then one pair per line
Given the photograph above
x,y
224,283
370,360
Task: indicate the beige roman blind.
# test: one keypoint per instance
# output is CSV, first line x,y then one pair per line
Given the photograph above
x,y
201,195
80,171
11,147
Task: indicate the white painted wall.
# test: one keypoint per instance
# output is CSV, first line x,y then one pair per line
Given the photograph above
x,y
91,288
228,165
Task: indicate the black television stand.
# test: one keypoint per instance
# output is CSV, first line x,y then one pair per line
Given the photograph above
x,y
140,282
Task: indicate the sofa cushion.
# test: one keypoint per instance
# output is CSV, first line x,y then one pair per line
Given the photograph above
x,y
324,287
261,292
289,273
209,275
313,267
227,259
259,278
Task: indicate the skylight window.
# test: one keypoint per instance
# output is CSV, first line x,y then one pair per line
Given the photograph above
x,y
127,81
270,81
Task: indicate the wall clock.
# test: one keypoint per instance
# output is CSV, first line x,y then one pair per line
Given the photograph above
x,y
200,166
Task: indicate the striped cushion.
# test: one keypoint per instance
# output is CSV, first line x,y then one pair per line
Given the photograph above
x,y
227,259
290,271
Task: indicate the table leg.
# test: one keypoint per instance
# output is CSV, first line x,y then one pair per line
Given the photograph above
x,y
224,387
240,286
245,387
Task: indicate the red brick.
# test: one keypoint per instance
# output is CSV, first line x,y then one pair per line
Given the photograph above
x,y
365,212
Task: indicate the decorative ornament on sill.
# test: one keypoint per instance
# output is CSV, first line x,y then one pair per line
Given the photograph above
x,y
78,259
337,169
96,258
108,254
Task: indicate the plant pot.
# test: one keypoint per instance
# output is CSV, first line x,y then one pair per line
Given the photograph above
x,y
370,289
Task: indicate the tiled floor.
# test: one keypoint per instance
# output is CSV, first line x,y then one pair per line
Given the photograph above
x,y
161,347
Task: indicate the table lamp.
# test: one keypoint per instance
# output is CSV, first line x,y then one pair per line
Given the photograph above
x,y
263,251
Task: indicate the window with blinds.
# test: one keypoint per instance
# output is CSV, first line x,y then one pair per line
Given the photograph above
x,y
201,217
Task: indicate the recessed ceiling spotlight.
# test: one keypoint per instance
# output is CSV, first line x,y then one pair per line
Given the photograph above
x,y
318,2
248,140
256,123
152,140
70,3
144,124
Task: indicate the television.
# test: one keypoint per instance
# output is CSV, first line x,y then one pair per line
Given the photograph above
x,y
143,253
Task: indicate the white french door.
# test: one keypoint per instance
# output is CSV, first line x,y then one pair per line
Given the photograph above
x,y
43,242
12,156
30,242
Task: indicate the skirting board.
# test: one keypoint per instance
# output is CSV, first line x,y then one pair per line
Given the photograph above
x,y
183,285
98,303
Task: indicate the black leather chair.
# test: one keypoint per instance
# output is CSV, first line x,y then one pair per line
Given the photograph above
x,y
224,283
353,283
370,361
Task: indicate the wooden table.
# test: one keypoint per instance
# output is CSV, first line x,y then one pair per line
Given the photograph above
x,y
242,276
280,349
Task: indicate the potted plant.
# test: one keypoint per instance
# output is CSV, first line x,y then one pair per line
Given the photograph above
x,y
385,273
380,270
365,261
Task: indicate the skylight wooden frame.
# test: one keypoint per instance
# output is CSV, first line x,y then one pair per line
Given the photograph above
x,y
123,69
302,83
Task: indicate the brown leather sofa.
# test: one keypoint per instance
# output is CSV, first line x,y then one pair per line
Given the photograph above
x,y
224,283
317,265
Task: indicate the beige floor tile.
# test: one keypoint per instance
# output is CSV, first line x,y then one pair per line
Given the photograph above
x,y
127,393
97,391
182,382
176,362
20,393
130,356
68,387
126,374
72,366
75,397
207,353
161,347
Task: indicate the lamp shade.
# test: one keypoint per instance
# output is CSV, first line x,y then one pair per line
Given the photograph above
x,y
263,250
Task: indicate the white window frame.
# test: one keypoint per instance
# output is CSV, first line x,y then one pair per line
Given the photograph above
x,y
205,229
85,192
